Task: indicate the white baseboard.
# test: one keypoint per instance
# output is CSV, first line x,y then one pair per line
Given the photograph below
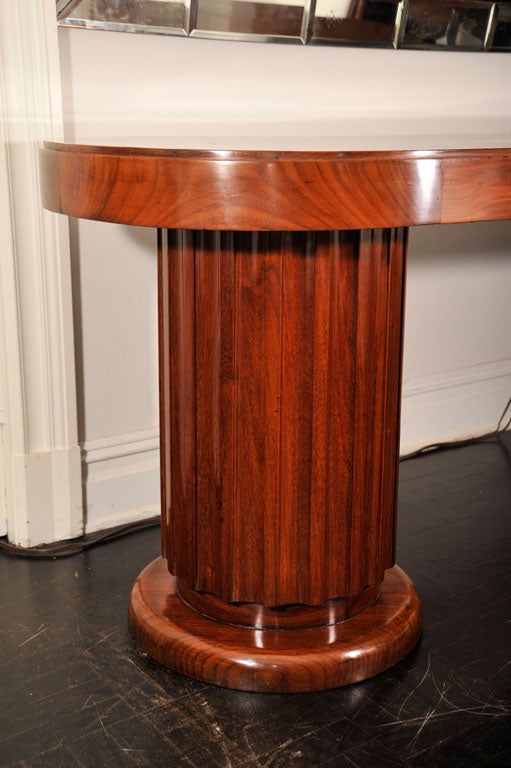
x,y
45,489
453,405
3,497
121,476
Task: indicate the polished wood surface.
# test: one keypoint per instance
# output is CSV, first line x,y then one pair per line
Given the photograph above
x,y
274,661
276,190
293,616
281,285
280,374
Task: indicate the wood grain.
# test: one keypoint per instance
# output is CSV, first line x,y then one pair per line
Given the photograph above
x,y
283,364
251,190
273,660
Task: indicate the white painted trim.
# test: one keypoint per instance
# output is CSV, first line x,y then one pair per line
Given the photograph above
x,y
453,405
3,414
5,251
42,466
490,371
122,479
115,446
3,499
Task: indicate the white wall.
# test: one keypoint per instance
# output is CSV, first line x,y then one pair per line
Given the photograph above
x,y
457,357
138,84
457,367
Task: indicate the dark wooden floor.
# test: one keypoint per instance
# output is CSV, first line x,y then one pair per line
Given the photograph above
x,y
75,691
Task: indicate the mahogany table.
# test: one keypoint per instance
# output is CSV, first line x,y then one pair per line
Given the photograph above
x,y
281,283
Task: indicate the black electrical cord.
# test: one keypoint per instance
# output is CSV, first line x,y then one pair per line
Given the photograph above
x,y
86,542
79,545
434,447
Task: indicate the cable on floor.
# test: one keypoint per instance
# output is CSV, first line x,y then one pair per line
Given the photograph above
x,y
79,545
434,447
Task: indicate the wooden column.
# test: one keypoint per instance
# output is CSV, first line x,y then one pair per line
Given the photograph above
x,y
280,377
280,390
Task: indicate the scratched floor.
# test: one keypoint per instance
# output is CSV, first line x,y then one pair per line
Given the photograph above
x,y
75,691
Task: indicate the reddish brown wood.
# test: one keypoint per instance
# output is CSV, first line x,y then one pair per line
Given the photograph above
x,y
164,396
257,190
295,616
281,420
477,188
276,661
280,360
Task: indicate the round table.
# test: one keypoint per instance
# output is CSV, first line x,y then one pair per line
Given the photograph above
x,y
281,286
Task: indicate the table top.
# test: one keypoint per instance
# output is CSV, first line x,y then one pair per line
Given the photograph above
x,y
280,183
307,143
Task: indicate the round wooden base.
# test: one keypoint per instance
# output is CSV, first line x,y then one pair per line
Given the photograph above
x,y
271,660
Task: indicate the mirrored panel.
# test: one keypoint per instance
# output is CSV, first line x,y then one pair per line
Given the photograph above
x,y
502,34
463,25
165,16
362,22
254,19
453,24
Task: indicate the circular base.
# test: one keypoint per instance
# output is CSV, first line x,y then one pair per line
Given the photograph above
x,y
271,660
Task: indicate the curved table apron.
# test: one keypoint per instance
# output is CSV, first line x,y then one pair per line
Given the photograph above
x,y
281,283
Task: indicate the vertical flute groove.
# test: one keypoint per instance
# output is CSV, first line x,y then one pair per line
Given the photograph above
x,y
355,255
281,401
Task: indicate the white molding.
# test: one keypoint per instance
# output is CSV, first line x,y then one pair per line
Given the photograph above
x,y
3,499
42,466
6,230
116,446
3,417
3,414
122,478
453,405
472,374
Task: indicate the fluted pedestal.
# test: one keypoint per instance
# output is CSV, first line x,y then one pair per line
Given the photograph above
x,y
279,382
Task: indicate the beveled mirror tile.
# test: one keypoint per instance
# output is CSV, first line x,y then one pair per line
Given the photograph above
x,y
251,19
369,22
126,15
448,24
502,34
